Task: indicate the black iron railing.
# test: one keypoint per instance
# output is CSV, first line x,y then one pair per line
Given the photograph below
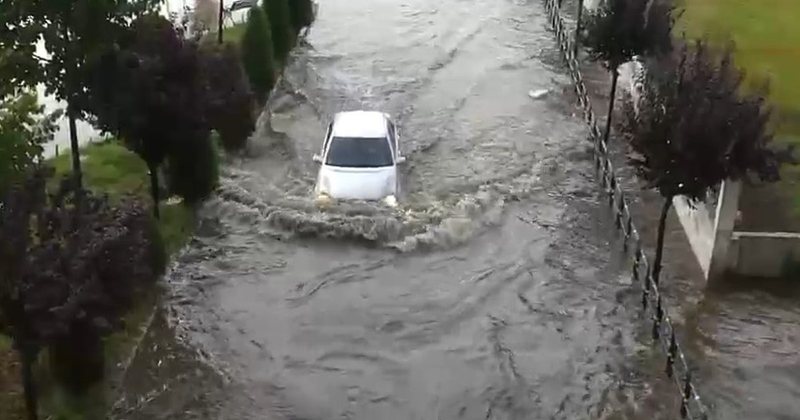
x,y
653,304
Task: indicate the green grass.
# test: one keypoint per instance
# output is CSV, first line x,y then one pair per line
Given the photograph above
x,y
109,168
231,34
234,33
766,34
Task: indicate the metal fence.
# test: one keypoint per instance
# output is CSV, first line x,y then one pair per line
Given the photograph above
x,y
653,304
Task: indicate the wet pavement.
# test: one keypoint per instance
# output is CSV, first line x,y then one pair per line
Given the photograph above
x,y
498,289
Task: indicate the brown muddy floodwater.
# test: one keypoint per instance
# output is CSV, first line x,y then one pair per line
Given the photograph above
x,y
498,289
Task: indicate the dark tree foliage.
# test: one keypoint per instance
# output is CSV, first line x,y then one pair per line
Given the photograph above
x,y
73,33
619,30
151,93
229,99
693,129
194,173
302,14
257,54
24,128
280,22
70,270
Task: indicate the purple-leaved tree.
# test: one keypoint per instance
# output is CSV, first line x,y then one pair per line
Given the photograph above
x,y
693,129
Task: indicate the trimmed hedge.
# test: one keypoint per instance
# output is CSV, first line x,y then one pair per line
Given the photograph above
x,y
283,35
257,54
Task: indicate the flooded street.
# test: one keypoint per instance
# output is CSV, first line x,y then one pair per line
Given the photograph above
x,y
497,290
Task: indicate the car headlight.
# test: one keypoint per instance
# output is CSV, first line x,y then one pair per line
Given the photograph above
x,y
390,200
323,200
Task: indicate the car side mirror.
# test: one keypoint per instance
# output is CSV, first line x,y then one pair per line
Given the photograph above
x,y
401,159
317,158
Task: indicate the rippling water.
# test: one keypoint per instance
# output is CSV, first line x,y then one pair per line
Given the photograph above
x,y
498,288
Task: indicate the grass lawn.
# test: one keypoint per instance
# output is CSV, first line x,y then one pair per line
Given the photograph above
x,y
234,33
766,35
108,168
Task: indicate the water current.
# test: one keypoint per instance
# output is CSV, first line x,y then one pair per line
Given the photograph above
x,y
498,288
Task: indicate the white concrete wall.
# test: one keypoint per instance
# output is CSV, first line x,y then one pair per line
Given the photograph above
x,y
763,254
698,224
710,229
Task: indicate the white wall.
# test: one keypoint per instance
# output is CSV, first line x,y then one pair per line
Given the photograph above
x,y
762,254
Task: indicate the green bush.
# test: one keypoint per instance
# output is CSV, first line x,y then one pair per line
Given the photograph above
x,y
302,13
257,54
193,170
280,21
229,99
24,128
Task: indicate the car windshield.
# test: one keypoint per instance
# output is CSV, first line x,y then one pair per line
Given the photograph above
x,y
352,152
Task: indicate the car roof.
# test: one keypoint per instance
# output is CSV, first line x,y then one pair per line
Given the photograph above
x,y
360,124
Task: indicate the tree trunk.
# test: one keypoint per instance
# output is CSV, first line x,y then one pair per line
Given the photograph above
x,y
71,69
28,384
154,191
77,172
77,360
662,224
220,23
614,79
578,27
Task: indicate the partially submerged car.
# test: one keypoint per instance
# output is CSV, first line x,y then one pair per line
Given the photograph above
x,y
359,159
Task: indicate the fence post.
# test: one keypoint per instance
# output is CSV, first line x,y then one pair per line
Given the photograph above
x,y
578,28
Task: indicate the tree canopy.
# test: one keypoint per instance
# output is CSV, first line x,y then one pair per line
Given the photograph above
x,y
619,30
695,128
151,92
257,53
302,13
70,269
229,98
24,128
280,20
72,33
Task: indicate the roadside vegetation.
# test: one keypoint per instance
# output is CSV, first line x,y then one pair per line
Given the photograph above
x,y
765,36
694,125
85,236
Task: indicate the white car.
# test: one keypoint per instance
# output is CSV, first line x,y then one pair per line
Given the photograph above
x,y
359,159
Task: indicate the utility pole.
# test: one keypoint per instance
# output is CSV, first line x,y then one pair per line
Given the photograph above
x,y
219,28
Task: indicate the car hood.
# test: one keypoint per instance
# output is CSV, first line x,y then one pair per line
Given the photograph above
x,y
357,183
